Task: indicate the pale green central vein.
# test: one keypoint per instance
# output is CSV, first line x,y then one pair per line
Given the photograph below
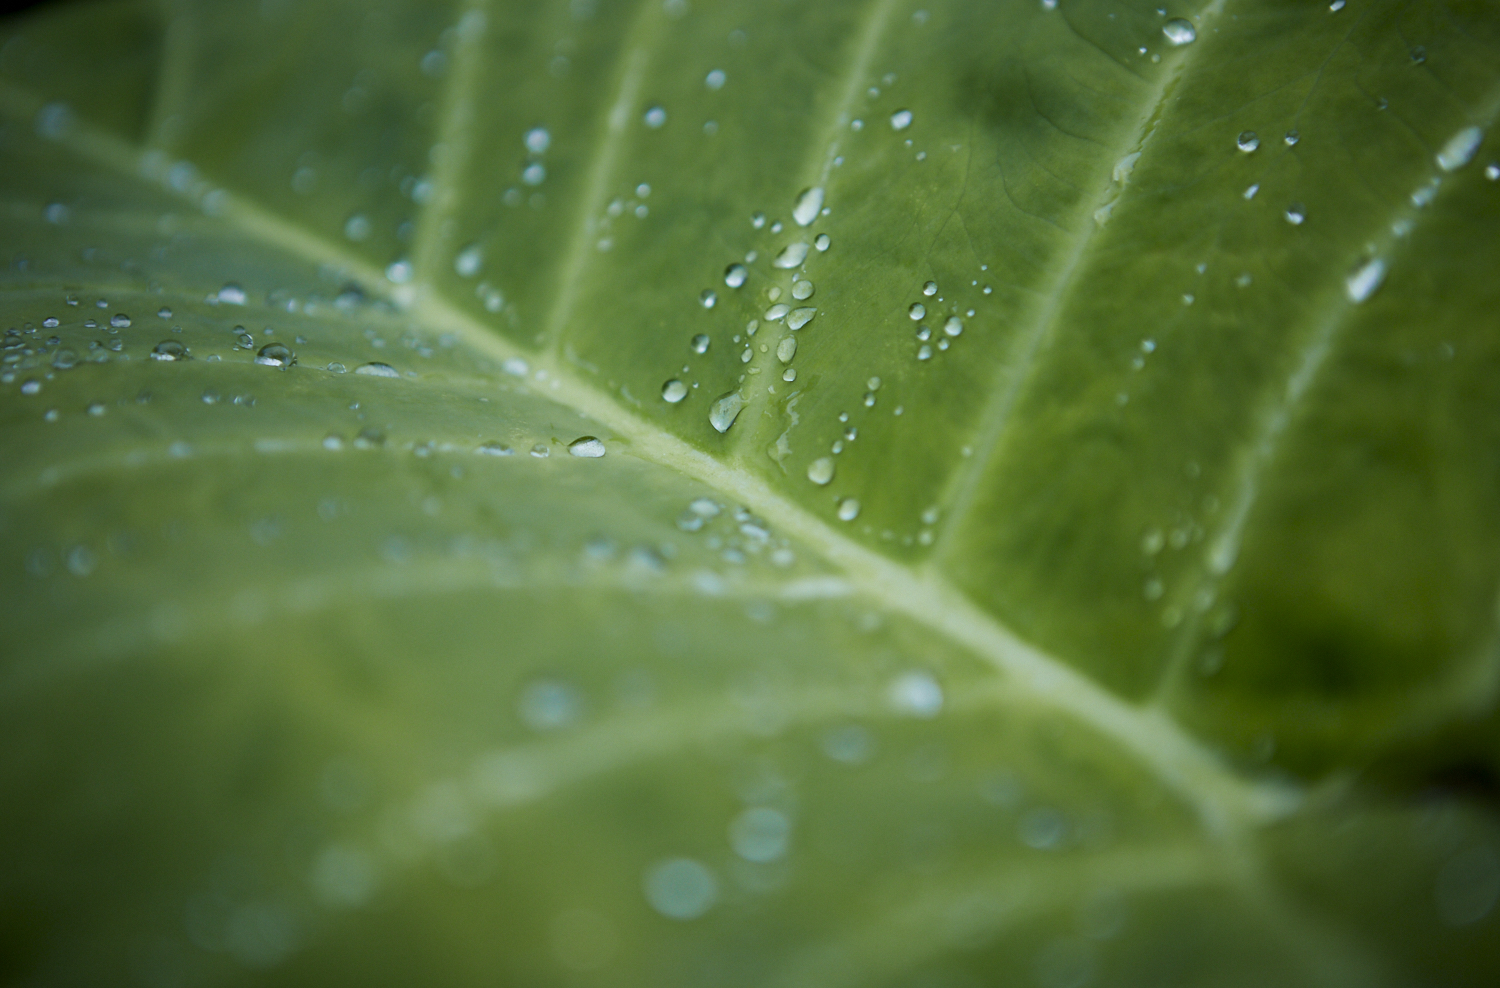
x,y
1225,803
1087,221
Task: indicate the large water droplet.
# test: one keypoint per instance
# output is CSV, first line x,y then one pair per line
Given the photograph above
x,y
725,409
275,355
119,320
777,311
929,289
376,369
165,350
587,447
800,317
673,391
954,326
1459,150
1179,31
809,203
821,470
791,256
786,349
900,120
917,311
735,275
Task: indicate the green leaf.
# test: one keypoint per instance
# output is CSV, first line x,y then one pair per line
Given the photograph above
x,y
1098,585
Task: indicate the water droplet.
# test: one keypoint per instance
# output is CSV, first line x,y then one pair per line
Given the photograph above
x,y
800,317
162,313
786,349
1336,6
777,311
655,117
869,399
802,290
1291,138
538,140
791,256
917,694
929,289
725,409
66,358
534,173
541,451
757,220
821,470
1296,213
32,386
715,79
809,203
848,509
169,350
735,275
681,888
1459,150
398,272
376,369
673,391
1362,283
275,355
1179,32
916,311
699,343
822,242
1250,192
954,326
900,120
708,298
549,705
494,448
231,294
924,352
587,447
357,227
760,834
1492,171
1247,141
95,408
468,261
119,320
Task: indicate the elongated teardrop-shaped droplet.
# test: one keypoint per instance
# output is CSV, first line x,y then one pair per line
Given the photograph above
x,y
587,447
820,471
786,349
377,369
1362,284
735,275
900,120
809,204
791,256
1179,32
777,311
275,355
800,317
673,391
1459,150
725,409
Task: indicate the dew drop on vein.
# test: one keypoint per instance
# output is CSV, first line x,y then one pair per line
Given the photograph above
x,y
1459,150
809,204
275,355
1360,285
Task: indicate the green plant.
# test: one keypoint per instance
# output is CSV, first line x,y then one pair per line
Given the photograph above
x,y
1098,588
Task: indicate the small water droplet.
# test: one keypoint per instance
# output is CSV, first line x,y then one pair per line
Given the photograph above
x,y
699,343
1492,171
777,311
1296,213
1362,283
32,386
715,79
1250,192
376,369
800,317
655,117
802,290
809,203
673,391
786,349
791,256
929,289
1459,150
821,470
924,352
162,313
760,834
1179,32
119,320
954,326
587,447
169,350
869,399
398,272
708,298
494,448
534,173
66,358
757,220
1291,138
848,509
917,694
357,227
901,119
541,451
735,275
275,355
681,888
538,140
231,294
468,261
789,375
822,242
916,311
725,409
1247,141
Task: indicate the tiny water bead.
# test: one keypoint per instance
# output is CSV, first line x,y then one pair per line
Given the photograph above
x,y
538,140
724,410
468,261
275,355
1179,32
655,116
587,447
809,204
916,311
821,470
1247,141
735,275
673,391
929,289
376,369
708,298
848,509
901,119
167,350
699,343
791,256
